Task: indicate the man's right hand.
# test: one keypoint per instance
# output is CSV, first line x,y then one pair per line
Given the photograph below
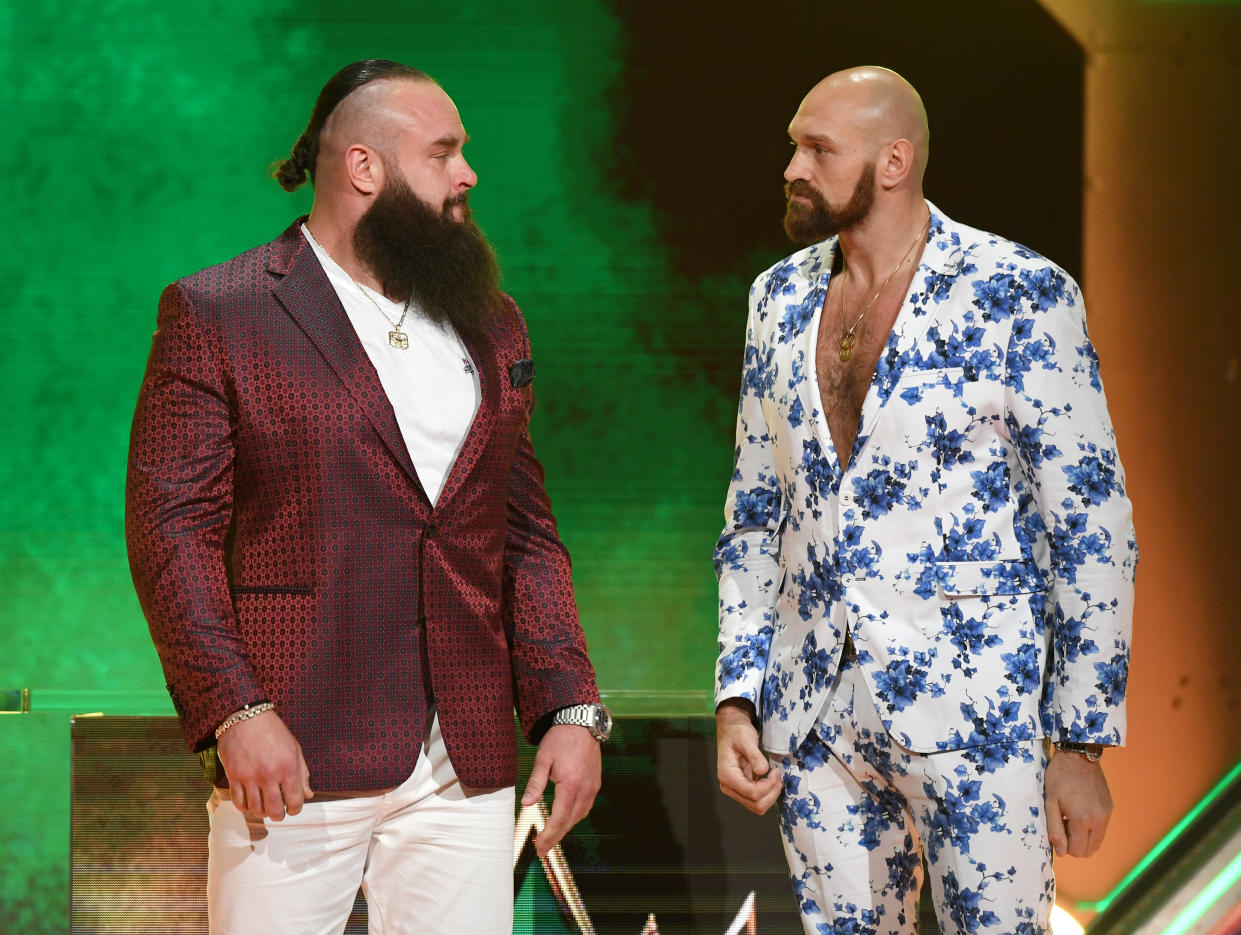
x,y
742,767
267,775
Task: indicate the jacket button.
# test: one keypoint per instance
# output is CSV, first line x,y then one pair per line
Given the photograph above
x,y
847,580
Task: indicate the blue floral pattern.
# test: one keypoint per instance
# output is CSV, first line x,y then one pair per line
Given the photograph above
x,y
979,546
853,795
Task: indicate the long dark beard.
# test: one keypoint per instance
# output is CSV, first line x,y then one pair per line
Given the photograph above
x,y
444,263
820,220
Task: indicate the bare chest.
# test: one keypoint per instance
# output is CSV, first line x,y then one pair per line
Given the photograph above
x,y
843,383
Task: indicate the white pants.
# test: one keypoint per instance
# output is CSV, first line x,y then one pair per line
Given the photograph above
x,y
431,856
858,810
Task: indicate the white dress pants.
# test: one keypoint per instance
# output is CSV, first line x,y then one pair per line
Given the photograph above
x,y
431,856
859,811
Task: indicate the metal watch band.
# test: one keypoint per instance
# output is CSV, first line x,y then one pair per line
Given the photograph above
x,y
596,718
1091,751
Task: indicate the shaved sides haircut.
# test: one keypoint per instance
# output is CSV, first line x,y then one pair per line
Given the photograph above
x,y
293,172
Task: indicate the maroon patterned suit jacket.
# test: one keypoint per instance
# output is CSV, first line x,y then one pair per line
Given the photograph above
x,y
283,548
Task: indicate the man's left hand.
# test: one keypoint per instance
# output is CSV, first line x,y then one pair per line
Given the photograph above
x,y
1078,805
569,756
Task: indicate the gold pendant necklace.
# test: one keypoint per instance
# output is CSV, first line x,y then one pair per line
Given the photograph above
x,y
848,340
397,338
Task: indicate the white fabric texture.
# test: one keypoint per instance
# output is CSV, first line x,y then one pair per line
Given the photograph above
x,y
859,812
433,858
976,542
432,385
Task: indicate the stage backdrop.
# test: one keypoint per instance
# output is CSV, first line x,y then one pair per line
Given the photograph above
x,y
630,159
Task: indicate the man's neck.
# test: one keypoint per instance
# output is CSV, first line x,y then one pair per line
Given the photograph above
x,y
875,247
335,236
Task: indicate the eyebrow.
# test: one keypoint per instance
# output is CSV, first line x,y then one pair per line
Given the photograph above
x,y
814,138
451,140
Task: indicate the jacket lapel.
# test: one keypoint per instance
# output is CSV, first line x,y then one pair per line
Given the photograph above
x,y
308,297
814,276
486,359
941,259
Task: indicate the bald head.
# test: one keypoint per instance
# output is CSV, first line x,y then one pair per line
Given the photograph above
x,y
868,107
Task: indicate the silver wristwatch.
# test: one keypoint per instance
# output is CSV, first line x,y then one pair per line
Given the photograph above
x,y
596,718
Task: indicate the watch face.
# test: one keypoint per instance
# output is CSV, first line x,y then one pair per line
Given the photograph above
x,y
602,719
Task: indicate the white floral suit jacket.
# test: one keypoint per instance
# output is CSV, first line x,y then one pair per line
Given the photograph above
x,y
979,546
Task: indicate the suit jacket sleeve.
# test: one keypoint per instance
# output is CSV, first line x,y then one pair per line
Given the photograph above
x,y
178,509
550,666
1057,414
747,554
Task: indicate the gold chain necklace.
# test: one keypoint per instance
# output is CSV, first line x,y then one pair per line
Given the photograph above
x,y
397,338
848,340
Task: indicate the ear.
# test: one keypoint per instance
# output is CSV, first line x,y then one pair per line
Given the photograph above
x,y
364,168
897,161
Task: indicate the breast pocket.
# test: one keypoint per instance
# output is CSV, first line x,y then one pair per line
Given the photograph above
x,y
912,380
957,393
516,402
952,419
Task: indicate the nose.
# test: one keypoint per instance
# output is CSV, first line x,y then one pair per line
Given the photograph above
x,y
467,178
793,170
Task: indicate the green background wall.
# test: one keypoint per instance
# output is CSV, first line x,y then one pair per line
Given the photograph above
x,y
629,157
136,140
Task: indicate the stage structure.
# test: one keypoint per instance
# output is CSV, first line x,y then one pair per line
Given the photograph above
x,y
662,852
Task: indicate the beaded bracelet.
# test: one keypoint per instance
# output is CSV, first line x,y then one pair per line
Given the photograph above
x,y
249,711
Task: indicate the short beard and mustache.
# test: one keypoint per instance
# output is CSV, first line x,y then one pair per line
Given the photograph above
x,y
807,224
446,266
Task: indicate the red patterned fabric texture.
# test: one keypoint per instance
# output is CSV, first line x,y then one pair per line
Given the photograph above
x,y
283,548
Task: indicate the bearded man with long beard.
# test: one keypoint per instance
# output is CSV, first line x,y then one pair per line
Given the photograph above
x,y
926,569
341,541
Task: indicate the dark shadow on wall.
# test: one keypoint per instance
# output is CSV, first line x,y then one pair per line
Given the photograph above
x,y
707,89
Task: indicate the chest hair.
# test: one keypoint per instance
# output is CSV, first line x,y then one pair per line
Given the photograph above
x,y
843,384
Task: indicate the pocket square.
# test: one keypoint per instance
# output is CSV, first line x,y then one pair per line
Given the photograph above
x,y
522,372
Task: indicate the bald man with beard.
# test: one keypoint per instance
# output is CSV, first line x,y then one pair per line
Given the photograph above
x,y
926,570
340,538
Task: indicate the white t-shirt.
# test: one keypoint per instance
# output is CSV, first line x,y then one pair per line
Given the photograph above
x,y
432,385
